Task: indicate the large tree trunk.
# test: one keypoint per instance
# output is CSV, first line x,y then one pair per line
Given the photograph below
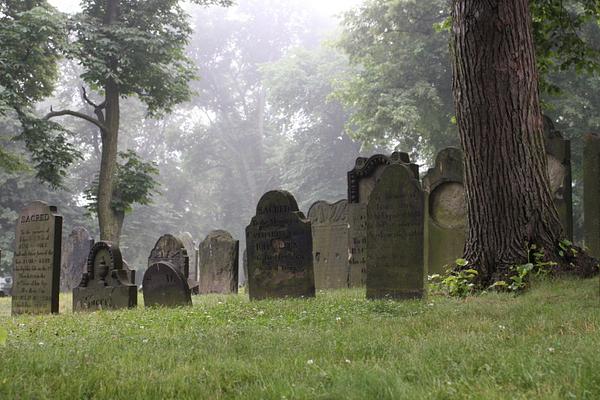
x,y
495,86
108,220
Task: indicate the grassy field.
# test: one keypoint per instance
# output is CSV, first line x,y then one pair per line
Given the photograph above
x,y
544,344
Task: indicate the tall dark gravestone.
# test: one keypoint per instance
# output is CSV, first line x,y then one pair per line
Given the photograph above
x,y
558,151
75,252
219,254
106,285
165,282
361,181
445,211
395,228
279,244
36,270
329,224
591,193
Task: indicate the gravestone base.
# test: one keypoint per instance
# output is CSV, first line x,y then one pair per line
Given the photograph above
x,y
100,297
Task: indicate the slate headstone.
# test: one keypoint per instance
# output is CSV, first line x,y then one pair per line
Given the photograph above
x,y
279,244
591,193
75,252
171,249
219,254
445,211
36,270
329,224
107,283
395,224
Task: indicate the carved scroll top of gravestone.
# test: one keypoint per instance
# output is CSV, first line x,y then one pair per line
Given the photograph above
x,y
276,206
324,212
104,261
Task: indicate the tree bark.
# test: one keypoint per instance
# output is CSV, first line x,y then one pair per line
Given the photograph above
x,y
495,85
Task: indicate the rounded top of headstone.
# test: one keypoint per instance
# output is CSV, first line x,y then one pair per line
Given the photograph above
x,y
398,171
219,234
321,211
400,157
168,241
104,255
80,232
276,201
448,168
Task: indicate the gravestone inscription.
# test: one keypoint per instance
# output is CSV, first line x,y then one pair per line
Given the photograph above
x,y
106,285
36,268
395,215
75,252
219,254
329,224
279,244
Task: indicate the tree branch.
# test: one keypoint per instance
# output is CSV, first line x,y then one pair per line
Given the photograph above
x,y
91,103
53,114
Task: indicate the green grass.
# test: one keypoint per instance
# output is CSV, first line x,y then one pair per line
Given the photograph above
x,y
544,344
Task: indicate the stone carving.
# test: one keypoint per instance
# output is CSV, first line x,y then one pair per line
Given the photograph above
x,y
219,254
279,244
591,193
395,214
107,283
36,268
445,210
75,252
171,249
329,224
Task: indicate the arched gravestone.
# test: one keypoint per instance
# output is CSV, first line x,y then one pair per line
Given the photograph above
x,y
36,268
219,254
279,244
558,151
361,180
165,281
106,284
591,193
329,224
395,265
75,252
445,210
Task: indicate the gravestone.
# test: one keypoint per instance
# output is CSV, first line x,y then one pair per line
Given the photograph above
x,y
219,254
245,266
361,181
558,151
445,211
75,252
591,193
106,285
329,224
279,244
395,215
165,282
36,268
188,242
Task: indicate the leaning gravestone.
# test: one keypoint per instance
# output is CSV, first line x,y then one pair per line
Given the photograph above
x,y
558,151
36,270
395,211
329,224
279,244
75,252
219,254
591,193
445,211
106,285
361,181
165,281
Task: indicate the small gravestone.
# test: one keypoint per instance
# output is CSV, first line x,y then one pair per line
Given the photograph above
x,y
165,282
75,252
219,254
395,265
188,242
279,244
558,151
36,270
361,181
329,224
591,193
106,285
445,210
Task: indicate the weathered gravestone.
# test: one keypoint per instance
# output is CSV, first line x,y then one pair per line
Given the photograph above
x,y
188,242
36,270
106,285
279,244
445,211
395,215
75,252
329,224
245,266
591,193
361,181
165,281
219,254
558,151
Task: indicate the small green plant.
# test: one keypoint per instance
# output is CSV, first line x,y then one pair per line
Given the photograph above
x,y
455,283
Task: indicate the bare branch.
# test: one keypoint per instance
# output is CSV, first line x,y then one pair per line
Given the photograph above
x,y
53,114
91,103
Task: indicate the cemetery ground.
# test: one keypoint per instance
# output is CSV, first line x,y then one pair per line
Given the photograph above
x,y
544,344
